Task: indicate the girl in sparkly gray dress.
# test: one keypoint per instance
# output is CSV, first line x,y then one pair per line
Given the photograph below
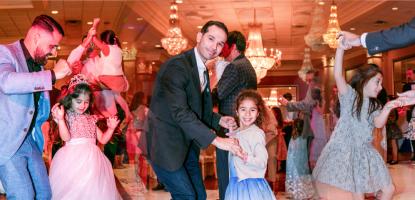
x,y
349,161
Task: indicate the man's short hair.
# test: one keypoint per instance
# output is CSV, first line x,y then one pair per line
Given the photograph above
x,y
288,96
47,23
237,38
214,23
310,71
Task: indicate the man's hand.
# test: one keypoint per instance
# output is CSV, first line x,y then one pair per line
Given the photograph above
x,y
112,122
403,101
61,69
283,101
229,144
408,94
228,122
350,39
343,44
399,102
58,112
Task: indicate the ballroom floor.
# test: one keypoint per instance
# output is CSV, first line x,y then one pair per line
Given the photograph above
x,y
403,175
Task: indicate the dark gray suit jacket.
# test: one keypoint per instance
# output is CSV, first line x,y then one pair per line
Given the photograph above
x,y
237,76
179,113
393,38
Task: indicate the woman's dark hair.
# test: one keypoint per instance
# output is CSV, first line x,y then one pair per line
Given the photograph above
x,y
278,116
288,96
73,93
358,81
382,97
108,37
137,100
259,102
316,95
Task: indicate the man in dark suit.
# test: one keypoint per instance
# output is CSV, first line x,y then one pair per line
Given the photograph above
x,y
181,117
384,40
237,76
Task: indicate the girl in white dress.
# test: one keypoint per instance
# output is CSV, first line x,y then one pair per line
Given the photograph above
x,y
79,170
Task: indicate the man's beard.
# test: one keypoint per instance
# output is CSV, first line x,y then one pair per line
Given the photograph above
x,y
42,60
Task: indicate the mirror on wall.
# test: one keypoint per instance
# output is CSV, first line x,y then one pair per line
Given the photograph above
x,y
399,72
271,93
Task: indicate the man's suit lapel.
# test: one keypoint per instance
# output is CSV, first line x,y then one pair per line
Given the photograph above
x,y
44,101
17,49
191,58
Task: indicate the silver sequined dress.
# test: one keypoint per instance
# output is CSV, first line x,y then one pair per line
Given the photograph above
x,y
349,161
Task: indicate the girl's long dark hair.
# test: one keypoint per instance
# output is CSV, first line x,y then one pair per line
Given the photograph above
x,y
358,81
109,37
278,116
73,93
317,96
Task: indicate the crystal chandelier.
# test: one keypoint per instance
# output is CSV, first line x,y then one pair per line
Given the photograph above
x,y
314,37
306,66
333,28
174,42
256,54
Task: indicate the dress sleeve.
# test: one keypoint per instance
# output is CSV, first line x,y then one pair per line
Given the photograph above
x,y
347,99
373,115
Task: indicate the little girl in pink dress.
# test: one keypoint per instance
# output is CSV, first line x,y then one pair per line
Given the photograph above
x,y
79,170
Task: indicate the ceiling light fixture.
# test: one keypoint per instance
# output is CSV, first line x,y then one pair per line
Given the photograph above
x,y
257,54
174,42
333,28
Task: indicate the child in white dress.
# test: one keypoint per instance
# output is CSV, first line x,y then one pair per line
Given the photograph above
x,y
79,170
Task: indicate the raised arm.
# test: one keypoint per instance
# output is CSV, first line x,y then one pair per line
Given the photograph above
x,y
380,120
338,67
105,49
58,113
76,54
112,123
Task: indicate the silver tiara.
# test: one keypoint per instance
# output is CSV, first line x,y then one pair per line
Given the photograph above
x,y
77,79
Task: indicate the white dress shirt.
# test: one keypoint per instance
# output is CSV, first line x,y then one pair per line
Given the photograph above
x,y
201,68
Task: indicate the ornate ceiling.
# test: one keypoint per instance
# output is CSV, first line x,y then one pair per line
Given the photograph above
x,y
142,23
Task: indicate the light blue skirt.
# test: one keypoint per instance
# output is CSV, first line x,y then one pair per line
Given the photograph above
x,y
247,189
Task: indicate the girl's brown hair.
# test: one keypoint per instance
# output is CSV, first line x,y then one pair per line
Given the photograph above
x,y
358,81
259,102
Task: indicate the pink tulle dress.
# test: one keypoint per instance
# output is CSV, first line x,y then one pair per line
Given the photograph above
x,y
79,170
